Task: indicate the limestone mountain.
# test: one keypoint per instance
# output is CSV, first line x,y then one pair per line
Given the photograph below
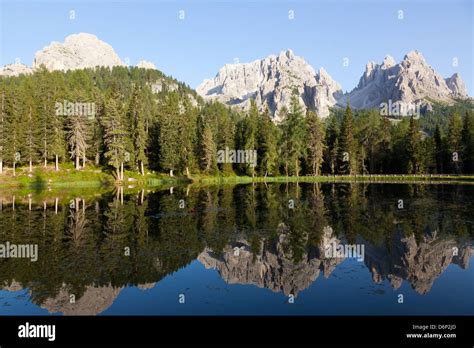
x,y
14,69
78,51
144,64
412,81
274,267
271,82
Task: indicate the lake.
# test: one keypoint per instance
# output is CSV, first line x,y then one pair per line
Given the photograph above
x,y
262,249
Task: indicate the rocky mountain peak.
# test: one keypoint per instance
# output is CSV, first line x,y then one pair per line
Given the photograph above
x,y
271,82
456,85
414,55
78,51
15,69
288,54
144,64
388,62
412,81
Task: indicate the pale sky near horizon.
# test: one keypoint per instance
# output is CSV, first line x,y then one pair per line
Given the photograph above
x,y
214,32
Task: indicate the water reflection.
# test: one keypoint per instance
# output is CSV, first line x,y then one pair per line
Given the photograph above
x,y
271,236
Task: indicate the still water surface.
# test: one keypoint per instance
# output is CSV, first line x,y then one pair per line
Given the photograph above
x,y
245,249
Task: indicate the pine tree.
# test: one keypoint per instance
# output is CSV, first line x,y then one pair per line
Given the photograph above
x,y
468,142
332,144
225,132
247,136
13,127
267,153
209,150
454,142
438,150
369,136
46,113
169,138
293,135
30,136
57,144
97,146
187,128
77,138
385,147
413,148
115,134
315,142
139,136
3,122
347,154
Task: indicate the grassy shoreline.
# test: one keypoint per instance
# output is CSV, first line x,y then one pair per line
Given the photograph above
x,y
67,178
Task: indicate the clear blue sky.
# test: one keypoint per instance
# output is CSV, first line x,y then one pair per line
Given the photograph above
x,y
215,32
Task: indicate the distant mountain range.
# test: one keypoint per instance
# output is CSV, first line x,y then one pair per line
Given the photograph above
x,y
78,51
272,80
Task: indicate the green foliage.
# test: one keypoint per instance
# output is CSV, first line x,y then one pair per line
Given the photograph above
x,y
293,131
315,142
347,147
267,149
145,120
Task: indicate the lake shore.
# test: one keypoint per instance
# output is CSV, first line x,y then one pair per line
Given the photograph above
x,y
40,179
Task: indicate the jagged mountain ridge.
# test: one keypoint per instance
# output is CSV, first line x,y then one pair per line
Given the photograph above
x,y
410,81
419,263
270,82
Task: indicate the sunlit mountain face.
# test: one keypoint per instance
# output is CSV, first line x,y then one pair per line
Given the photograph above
x,y
248,249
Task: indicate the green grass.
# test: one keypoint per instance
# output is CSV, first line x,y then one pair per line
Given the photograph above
x,y
338,178
67,179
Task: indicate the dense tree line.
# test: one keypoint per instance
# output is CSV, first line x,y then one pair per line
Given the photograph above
x,y
136,126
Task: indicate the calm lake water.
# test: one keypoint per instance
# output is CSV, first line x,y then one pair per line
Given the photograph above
x,y
275,249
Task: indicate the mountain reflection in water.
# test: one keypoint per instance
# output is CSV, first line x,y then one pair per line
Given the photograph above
x,y
92,248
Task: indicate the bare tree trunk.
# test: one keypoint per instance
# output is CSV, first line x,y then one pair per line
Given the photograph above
x,y
31,166
14,168
1,166
121,171
142,169
77,162
57,163
84,160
